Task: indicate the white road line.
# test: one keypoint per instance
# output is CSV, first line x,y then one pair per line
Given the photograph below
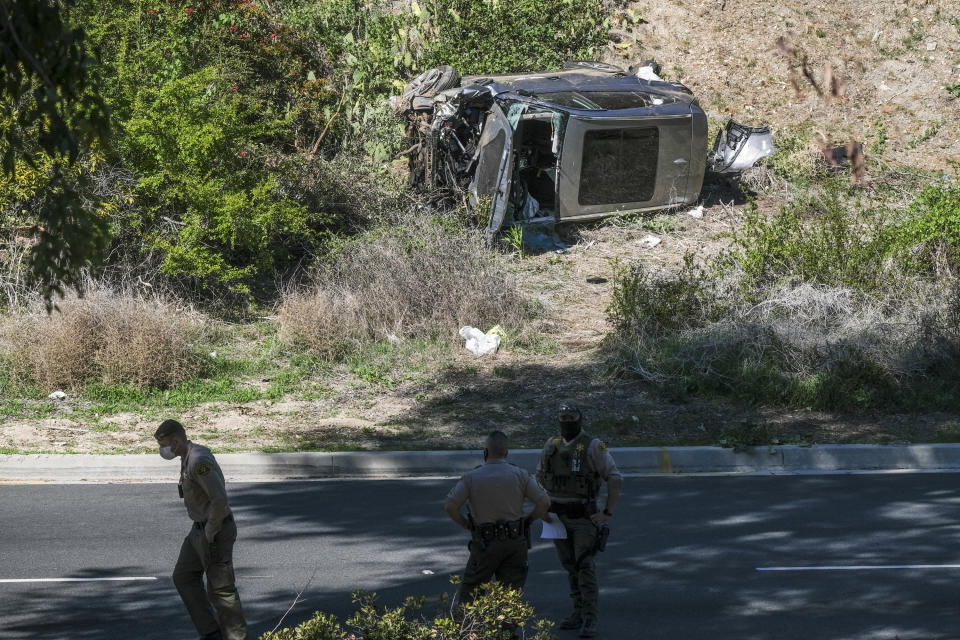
x,y
130,579
863,567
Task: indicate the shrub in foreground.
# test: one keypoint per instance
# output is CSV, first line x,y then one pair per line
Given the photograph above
x,y
493,615
103,337
800,346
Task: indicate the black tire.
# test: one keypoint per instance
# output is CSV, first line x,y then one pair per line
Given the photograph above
x,y
428,84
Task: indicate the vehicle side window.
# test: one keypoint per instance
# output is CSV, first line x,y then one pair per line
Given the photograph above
x,y
619,165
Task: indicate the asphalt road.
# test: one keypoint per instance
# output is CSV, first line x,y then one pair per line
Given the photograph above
x,y
682,562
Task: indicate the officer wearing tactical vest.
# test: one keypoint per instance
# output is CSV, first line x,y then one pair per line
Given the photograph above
x,y
572,469
496,492
209,545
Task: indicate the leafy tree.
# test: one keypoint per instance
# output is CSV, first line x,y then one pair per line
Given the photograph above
x,y
50,113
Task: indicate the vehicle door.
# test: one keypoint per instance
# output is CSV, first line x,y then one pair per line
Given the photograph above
x,y
494,171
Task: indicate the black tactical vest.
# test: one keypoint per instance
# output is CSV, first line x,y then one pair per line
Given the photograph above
x,y
568,472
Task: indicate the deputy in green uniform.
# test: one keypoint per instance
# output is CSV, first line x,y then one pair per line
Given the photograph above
x,y
496,492
572,469
208,548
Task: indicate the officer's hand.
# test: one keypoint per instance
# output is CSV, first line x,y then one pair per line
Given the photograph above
x,y
599,518
548,517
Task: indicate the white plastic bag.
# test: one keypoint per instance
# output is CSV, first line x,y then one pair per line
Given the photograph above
x,y
480,343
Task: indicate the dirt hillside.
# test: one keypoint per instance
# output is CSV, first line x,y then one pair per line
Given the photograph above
x,y
890,61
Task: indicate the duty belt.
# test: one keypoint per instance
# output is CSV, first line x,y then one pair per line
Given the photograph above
x,y
501,530
573,509
202,524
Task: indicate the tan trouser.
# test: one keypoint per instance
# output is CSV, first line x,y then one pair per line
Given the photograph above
x,y
505,559
198,557
581,537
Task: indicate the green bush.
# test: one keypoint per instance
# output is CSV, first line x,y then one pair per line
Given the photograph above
x,y
656,305
830,237
499,37
493,615
928,240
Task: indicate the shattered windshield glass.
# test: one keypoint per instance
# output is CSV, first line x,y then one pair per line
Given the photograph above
x,y
603,100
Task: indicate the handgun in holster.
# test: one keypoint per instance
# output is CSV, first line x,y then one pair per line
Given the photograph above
x,y
602,534
476,537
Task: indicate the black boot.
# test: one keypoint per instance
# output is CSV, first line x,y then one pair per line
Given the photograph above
x,y
572,621
589,628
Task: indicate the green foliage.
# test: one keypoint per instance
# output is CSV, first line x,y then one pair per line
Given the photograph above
x,y
320,627
514,237
493,615
648,303
829,237
953,88
51,111
928,240
500,37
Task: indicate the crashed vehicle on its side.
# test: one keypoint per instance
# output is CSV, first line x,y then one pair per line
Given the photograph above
x,y
576,144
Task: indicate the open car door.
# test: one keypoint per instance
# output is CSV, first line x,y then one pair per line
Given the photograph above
x,y
494,168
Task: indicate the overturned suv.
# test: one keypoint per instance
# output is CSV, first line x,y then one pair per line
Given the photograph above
x,y
576,144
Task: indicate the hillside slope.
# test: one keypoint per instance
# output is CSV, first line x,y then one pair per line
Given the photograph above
x,y
892,58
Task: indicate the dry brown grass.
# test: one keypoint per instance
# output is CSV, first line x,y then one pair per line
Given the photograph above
x,y
419,280
105,336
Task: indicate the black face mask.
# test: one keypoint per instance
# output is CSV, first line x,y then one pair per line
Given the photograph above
x,y
569,430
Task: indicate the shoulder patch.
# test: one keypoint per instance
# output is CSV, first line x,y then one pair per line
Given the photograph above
x,y
602,446
203,469
557,441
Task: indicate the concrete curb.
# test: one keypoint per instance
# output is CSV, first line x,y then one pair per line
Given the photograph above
x,y
653,461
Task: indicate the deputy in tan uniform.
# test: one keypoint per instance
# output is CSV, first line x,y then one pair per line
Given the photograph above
x,y
572,469
496,492
209,545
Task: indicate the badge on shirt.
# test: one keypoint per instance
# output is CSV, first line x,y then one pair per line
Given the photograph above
x,y
203,469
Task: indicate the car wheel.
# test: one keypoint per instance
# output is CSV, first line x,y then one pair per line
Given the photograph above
x,y
427,84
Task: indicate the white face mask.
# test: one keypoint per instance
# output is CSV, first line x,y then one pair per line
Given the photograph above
x,y
167,453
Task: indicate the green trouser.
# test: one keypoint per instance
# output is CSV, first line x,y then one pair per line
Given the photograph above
x,y
505,559
582,576
198,556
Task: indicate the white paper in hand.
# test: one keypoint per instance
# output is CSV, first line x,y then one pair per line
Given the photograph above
x,y
554,530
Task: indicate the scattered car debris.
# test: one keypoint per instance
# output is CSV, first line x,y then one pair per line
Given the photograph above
x,y
649,242
579,143
696,212
843,157
58,396
596,280
480,343
737,147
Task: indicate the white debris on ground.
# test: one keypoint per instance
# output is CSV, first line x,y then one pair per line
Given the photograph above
x,y
58,396
696,212
478,342
649,242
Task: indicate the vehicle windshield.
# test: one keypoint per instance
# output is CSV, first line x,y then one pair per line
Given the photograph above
x,y
603,100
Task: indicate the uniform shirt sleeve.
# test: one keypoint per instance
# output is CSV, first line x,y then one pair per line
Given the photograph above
x,y
460,492
532,490
204,473
602,460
